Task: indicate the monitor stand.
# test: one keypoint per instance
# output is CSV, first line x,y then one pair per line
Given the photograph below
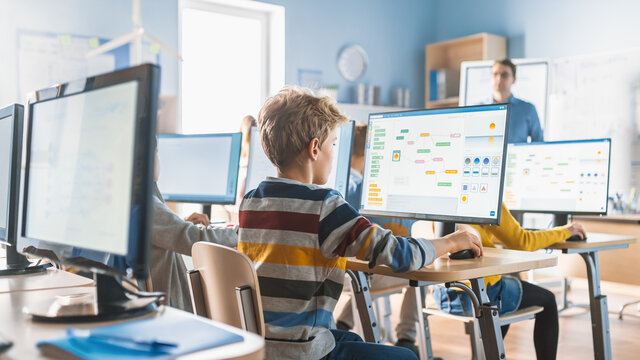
x,y
206,209
445,228
112,301
18,264
560,219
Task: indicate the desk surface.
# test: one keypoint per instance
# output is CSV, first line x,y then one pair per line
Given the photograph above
x,y
50,279
25,333
494,262
625,218
595,241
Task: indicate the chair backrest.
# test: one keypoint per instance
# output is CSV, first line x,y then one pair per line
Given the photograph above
x,y
228,280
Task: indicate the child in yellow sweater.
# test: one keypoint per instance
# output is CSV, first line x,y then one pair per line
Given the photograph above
x,y
512,293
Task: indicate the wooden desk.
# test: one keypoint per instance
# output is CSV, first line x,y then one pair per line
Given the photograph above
x,y
445,270
620,218
588,250
50,279
25,333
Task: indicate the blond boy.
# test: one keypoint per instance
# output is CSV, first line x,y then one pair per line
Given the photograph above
x,y
299,235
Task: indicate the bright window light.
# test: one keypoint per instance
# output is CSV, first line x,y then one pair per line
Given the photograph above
x,y
224,70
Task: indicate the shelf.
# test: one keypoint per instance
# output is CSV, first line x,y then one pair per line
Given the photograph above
x,y
447,55
448,102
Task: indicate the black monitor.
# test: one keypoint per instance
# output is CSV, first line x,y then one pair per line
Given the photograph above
x,y
260,166
11,121
88,183
199,168
558,177
439,164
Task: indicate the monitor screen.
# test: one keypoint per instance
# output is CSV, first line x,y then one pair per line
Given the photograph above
x,y
260,166
569,177
88,172
6,139
80,169
531,83
199,168
441,164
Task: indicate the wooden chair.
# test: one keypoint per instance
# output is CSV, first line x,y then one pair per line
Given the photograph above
x,y
224,287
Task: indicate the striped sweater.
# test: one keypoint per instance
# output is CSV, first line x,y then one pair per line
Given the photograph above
x,y
299,235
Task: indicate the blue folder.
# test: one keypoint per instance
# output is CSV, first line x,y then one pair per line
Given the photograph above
x,y
188,333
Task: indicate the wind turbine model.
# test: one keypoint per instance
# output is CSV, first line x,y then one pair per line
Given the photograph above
x,y
135,37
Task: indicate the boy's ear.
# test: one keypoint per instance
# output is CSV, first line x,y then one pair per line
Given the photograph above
x,y
313,148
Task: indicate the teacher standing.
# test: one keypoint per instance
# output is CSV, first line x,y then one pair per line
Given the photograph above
x,y
523,118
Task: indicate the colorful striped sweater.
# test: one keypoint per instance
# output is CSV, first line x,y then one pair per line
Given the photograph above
x,y
298,236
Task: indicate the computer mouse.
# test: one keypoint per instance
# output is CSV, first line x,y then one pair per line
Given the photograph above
x,y
575,238
462,255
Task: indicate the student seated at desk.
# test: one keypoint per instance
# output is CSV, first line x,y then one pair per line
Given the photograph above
x,y
513,293
172,237
406,328
299,233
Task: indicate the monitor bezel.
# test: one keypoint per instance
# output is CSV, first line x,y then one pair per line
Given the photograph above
x,y
562,212
15,114
147,77
234,168
437,217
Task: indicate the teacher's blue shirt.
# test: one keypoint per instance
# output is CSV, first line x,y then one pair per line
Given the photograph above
x,y
523,122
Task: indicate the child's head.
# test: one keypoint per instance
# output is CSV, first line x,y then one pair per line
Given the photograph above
x,y
297,127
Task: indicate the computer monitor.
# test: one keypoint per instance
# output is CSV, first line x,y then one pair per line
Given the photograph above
x,y
88,182
440,164
11,122
199,168
260,166
559,177
531,85
10,151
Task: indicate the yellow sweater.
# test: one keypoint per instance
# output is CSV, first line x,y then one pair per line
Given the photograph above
x,y
514,237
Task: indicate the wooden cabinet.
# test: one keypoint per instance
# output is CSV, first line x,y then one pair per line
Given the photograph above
x,y
449,54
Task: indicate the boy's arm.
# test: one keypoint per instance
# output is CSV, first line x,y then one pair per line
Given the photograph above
x,y
344,232
172,233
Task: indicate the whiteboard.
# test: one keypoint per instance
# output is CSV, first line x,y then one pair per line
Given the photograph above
x,y
596,96
46,59
531,85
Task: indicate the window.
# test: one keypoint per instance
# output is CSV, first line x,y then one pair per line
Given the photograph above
x,y
233,55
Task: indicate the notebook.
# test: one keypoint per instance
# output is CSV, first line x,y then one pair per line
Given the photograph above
x,y
187,332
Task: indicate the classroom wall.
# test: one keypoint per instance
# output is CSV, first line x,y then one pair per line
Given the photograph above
x,y
393,33
544,28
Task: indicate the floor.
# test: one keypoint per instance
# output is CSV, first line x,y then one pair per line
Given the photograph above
x,y
575,328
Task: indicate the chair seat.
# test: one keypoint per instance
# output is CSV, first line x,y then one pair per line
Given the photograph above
x,y
518,315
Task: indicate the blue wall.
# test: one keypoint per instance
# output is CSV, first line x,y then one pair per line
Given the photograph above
x,y
544,28
393,33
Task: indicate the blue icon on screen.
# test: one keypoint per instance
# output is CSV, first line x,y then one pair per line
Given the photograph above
x,y
492,213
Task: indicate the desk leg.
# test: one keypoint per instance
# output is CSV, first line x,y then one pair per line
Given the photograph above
x,y
599,309
360,287
489,323
424,335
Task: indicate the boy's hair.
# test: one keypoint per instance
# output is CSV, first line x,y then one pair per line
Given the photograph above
x,y
509,63
289,120
359,139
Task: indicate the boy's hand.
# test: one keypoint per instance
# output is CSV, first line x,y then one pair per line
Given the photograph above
x,y
576,229
197,218
465,239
